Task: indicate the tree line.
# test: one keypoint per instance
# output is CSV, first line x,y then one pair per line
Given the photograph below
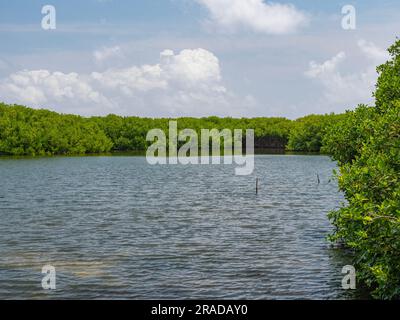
x,y
27,131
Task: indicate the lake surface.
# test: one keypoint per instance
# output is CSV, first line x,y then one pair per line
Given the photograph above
x,y
116,227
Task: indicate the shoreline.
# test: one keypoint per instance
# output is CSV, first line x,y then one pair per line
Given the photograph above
x,y
142,153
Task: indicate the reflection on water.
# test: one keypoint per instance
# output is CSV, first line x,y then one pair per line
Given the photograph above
x,y
116,227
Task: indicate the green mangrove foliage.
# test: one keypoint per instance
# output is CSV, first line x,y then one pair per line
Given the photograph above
x,y
26,131
366,144
129,133
307,133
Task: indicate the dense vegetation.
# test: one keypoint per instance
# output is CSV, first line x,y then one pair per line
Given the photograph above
x,y
307,133
26,131
366,143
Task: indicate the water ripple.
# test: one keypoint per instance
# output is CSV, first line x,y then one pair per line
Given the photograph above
x,y
116,227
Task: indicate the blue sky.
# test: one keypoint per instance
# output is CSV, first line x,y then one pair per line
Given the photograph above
x,y
193,57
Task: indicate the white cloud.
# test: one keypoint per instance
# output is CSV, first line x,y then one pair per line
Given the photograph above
x,y
255,15
345,90
327,67
42,87
373,52
191,66
129,80
187,83
106,53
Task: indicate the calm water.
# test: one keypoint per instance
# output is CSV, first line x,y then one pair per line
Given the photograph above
x,y
116,227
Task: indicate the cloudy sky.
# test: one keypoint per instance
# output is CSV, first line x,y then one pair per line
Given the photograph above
x,y
193,57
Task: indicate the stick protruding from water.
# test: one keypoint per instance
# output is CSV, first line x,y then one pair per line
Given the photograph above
x,y
256,185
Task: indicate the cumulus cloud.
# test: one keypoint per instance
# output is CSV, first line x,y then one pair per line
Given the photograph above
x,y
254,15
187,83
373,52
44,88
106,53
132,79
345,90
191,66
327,67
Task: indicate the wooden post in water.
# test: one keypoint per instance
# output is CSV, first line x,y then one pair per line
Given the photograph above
x,y
318,179
256,185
